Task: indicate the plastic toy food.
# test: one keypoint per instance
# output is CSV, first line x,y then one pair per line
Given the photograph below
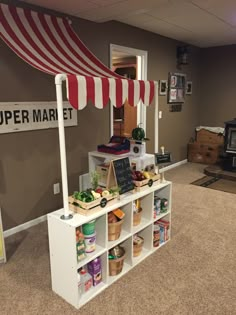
x,y
112,218
105,193
138,133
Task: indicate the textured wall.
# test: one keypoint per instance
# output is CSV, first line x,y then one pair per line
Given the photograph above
x,y
30,162
218,81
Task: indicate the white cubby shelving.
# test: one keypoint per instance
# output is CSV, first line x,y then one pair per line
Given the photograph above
x,y
62,241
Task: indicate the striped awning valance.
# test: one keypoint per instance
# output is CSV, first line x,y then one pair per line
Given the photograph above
x,y
49,44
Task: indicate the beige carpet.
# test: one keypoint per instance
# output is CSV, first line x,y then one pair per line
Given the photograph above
x,y
195,273
217,184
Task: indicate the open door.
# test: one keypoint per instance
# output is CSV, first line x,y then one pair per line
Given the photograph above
x,y
132,64
125,117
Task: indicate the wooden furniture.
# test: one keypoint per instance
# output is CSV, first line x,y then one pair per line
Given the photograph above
x,y
62,242
207,148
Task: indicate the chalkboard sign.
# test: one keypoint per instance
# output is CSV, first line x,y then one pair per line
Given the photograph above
x,y
123,174
161,158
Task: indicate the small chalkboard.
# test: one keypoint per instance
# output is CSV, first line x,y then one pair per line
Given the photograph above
x,y
161,158
123,174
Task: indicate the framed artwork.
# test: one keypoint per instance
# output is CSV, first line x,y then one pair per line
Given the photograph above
x,y
176,87
188,87
163,84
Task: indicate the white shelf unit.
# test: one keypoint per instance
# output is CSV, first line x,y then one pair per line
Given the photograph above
x,y
62,242
95,158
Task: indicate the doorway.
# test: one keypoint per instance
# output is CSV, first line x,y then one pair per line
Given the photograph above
x,y
130,63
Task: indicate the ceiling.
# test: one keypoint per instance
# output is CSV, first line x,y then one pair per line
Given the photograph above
x,y
203,23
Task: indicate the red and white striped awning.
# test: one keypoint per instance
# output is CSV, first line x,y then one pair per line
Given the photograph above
x,y
49,44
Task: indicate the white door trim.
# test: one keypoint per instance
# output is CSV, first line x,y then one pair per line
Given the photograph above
x,y
142,75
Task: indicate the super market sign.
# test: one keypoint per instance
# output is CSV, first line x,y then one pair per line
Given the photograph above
x,y
25,116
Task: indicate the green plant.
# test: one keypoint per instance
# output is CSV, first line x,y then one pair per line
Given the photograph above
x,y
95,176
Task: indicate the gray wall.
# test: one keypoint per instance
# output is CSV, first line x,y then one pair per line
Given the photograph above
x,y
30,162
218,82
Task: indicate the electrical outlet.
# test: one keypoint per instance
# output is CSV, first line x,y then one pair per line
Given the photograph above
x,y
56,188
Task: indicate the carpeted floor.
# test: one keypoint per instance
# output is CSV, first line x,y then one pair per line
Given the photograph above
x,y
217,184
195,273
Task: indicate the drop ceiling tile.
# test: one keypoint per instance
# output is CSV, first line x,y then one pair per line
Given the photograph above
x,y
225,10
106,2
119,10
69,7
197,22
173,9
206,4
136,19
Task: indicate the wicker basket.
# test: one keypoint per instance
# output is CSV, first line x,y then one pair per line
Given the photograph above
x,y
114,230
116,265
137,217
137,248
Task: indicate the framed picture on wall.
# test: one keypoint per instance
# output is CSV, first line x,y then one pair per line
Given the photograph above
x,y
176,87
188,87
163,87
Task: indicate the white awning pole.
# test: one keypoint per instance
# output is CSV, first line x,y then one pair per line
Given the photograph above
x,y
156,122
156,117
58,81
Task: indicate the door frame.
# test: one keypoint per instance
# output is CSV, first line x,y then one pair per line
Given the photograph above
x,y
142,57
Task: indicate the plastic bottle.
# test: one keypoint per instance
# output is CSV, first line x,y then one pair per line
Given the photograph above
x,y
79,282
86,281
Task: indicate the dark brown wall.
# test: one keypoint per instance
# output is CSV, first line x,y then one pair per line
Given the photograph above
x,y
30,162
218,82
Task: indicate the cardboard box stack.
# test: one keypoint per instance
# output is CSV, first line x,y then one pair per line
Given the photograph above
x,y
206,148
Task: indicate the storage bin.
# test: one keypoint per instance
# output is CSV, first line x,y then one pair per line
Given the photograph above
x,y
116,265
137,216
137,247
114,230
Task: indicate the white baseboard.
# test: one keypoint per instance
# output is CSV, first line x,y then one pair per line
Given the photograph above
x,y
24,226
166,168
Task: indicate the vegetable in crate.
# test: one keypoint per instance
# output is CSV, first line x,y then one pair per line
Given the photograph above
x,y
84,196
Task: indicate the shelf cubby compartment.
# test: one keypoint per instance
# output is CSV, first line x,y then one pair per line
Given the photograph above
x,y
164,192
146,214
164,233
146,234
125,227
127,262
94,290
100,243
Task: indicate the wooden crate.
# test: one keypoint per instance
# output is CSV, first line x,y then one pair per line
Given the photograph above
x,y
208,137
204,153
88,208
143,184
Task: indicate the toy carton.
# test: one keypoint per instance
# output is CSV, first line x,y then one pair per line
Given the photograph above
x,y
95,270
